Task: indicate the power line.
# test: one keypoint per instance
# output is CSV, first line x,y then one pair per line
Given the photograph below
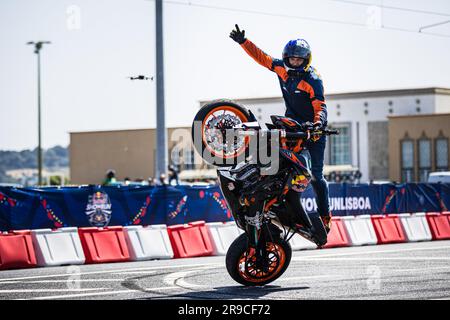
x,y
299,17
393,8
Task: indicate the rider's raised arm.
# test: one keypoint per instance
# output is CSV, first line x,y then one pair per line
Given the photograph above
x,y
256,53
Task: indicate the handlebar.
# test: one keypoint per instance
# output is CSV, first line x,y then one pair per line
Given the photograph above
x,y
293,135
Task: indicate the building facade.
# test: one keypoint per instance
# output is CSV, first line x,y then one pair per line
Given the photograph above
x,y
418,145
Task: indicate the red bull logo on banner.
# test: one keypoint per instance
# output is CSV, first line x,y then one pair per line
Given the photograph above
x,y
98,209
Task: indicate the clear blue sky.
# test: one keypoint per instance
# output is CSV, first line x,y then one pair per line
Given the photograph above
x,y
96,44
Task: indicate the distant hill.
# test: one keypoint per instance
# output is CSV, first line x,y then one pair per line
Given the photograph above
x,y
56,157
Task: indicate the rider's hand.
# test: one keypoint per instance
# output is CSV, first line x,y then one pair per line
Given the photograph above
x,y
238,35
317,127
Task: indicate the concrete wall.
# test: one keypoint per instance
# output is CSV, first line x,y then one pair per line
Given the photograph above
x,y
131,153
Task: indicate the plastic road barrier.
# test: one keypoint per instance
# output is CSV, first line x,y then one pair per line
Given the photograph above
x,y
16,250
338,234
150,242
57,247
222,235
439,225
104,244
360,230
388,228
415,226
190,240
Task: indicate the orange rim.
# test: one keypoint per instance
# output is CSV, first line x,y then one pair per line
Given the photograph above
x,y
241,117
247,270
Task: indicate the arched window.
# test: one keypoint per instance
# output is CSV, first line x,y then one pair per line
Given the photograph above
x,y
407,160
441,153
424,158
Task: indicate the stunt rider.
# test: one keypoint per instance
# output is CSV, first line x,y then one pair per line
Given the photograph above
x,y
303,94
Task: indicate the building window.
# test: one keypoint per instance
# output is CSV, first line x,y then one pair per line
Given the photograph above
x,y
189,159
340,145
175,158
424,159
441,154
407,160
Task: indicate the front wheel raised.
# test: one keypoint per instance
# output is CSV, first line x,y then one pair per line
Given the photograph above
x,y
241,266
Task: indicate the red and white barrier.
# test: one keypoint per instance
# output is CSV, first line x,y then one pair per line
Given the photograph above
x,y
16,250
297,242
415,226
439,225
338,236
388,229
150,242
360,230
222,234
190,240
102,245
46,247
57,247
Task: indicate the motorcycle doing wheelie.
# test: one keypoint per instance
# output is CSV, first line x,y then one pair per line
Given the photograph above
x,y
258,201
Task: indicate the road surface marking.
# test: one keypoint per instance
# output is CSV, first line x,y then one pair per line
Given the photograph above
x,y
48,290
109,271
81,295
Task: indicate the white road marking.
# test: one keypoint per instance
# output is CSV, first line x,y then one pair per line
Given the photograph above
x,y
299,257
419,269
307,277
374,258
109,271
81,295
134,272
49,290
64,281
177,278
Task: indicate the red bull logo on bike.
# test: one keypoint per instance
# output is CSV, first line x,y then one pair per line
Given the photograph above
x,y
98,209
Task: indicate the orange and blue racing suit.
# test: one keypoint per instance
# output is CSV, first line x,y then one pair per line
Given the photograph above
x,y
304,98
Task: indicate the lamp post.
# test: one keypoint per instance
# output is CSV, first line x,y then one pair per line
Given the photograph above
x,y
37,49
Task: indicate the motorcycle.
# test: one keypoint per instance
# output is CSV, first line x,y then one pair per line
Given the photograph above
x,y
259,202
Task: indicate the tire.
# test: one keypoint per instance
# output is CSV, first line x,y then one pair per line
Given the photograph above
x,y
206,117
237,251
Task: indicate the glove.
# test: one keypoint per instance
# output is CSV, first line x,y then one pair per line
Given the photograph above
x,y
238,35
317,127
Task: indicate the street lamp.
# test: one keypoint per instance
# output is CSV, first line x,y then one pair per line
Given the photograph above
x,y
37,49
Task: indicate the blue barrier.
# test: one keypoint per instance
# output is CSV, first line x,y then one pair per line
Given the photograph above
x,y
54,207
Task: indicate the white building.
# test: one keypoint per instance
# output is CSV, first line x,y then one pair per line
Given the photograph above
x,y
362,118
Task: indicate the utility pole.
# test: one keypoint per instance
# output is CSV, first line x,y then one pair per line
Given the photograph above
x,y
37,49
161,140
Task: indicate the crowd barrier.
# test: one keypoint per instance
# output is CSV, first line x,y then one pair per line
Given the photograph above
x,y
338,236
222,234
439,225
102,245
66,246
190,240
57,247
102,206
16,250
360,230
415,226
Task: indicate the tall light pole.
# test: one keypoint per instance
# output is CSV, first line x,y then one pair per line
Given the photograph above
x,y
161,140
37,49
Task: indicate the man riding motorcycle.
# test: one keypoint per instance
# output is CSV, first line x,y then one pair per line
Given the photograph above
x,y
303,94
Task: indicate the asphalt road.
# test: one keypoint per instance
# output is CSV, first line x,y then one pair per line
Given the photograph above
x,y
398,271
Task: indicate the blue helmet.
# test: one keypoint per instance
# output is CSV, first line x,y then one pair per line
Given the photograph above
x,y
297,48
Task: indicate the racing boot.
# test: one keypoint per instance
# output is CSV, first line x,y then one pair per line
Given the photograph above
x,y
326,220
